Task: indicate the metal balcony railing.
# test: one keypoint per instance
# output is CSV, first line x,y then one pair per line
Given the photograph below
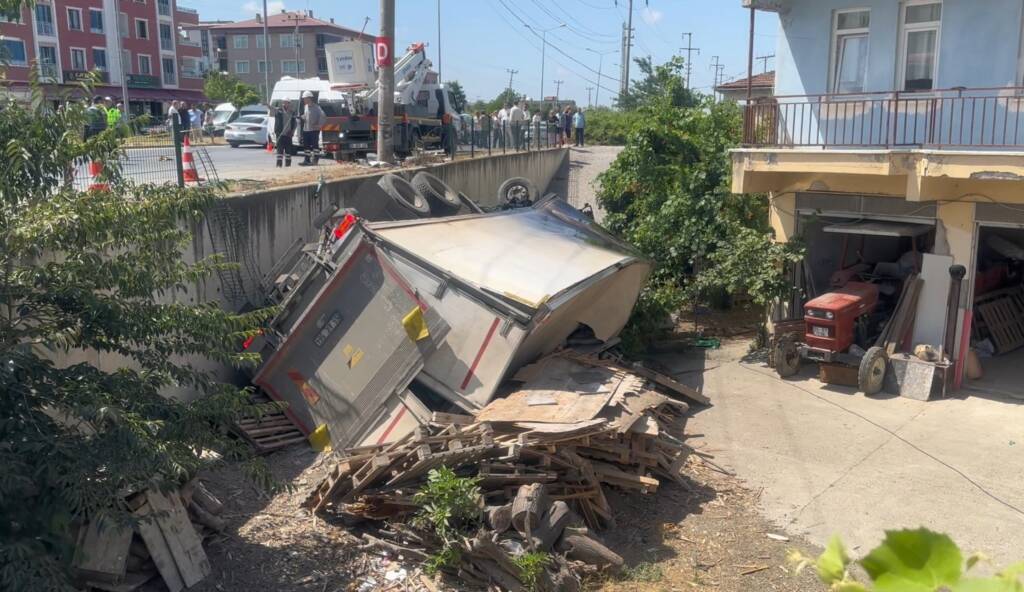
x,y
959,118
49,72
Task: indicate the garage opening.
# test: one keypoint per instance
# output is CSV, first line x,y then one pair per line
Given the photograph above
x,y
996,362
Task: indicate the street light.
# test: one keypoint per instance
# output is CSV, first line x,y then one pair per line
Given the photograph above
x,y
600,62
543,47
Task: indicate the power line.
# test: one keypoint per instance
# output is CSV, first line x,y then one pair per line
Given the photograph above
x,y
583,32
553,46
764,61
689,49
511,74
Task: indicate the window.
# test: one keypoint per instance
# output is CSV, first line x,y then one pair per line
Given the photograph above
x,y
142,28
321,40
240,41
75,19
99,58
321,63
190,68
288,67
290,40
47,61
44,20
166,37
849,51
259,41
164,7
261,67
13,50
78,59
222,42
920,40
95,20
145,65
126,30
242,67
222,64
170,76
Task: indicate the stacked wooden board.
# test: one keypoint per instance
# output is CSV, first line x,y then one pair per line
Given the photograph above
x,y
269,431
163,542
576,426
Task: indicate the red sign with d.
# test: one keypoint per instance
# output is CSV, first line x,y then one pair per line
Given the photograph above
x,y
385,55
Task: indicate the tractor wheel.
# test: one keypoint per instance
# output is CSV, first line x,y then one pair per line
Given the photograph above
x,y
871,374
786,357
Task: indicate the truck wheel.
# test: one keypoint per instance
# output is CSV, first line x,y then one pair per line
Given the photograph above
x,y
443,200
469,205
517,192
406,203
233,144
786,357
871,374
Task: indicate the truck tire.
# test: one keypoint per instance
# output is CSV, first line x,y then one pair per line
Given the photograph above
x,y
406,203
871,373
517,191
442,199
468,205
786,357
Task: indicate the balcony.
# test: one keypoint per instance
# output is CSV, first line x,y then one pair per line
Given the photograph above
x,y
953,119
49,72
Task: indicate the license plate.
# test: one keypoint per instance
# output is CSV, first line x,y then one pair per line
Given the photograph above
x,y
360,145
820,331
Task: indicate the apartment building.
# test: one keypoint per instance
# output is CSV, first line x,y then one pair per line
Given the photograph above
x,y
134,41
295,46
904,119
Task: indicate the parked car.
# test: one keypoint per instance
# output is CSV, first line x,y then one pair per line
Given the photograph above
x,y
248,129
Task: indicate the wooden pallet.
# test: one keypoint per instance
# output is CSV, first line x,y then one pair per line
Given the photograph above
x,y
269,432
1002,313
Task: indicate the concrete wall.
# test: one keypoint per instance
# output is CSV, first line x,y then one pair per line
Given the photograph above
x,y
268,223
979,44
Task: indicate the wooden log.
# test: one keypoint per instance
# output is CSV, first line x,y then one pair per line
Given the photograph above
x,y
202,516
499,518
552,524
528,507
207,500
583,548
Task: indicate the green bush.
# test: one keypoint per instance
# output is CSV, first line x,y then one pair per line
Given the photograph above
x,y
609,127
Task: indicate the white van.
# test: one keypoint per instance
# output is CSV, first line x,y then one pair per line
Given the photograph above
x,y
334,103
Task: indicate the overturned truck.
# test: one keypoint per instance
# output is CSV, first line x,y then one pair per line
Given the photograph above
x,y
382,322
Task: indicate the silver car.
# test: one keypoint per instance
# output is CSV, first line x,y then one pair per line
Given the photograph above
x,y
248,129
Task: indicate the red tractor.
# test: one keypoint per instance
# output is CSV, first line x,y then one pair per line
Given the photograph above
x,y
842,326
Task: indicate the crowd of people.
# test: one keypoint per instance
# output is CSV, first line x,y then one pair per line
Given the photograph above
x,y
507,127
194,119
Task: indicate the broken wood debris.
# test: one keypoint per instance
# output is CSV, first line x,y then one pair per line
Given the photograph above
x,y
166,541
543,470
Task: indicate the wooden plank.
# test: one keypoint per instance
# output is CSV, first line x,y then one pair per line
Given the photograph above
x,y
158,549
102,551
185,545
132,581
452,419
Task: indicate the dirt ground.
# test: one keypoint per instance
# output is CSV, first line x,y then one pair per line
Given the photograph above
x,y
704,535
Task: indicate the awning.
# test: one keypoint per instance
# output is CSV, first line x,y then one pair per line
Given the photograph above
x,y
880,229
134,94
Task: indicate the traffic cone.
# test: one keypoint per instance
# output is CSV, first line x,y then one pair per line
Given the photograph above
x,y
187,164
270,147
95,170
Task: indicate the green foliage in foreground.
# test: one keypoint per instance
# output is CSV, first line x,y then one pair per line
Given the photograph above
x,y
610,127
450,506
222,87
85,277
669,194
531,565
910,561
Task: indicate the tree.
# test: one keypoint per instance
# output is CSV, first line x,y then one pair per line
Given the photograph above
x,y
669,193
222,87
658,82
458,96
98,273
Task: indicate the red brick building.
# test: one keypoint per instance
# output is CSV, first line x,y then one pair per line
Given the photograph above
x,y
135,42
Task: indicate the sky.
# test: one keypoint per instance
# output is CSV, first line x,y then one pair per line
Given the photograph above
x,y
482,39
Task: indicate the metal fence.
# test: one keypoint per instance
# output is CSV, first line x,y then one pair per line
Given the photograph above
x,y
152,155
957,118
466,137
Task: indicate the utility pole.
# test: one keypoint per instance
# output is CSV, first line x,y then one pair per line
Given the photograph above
x,y
386,81
511,75
296,18
719,69
124,68
543,49
558,89
266,54
689,49
439,42
628,46
764,61
600,64
589,104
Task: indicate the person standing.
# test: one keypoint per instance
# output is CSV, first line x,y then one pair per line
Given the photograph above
x,y
579,122
113,113
516,118
284,127
195,118
95,118
313,119
567,125
173,116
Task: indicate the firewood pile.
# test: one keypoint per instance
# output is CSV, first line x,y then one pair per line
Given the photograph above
x,y
543,456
